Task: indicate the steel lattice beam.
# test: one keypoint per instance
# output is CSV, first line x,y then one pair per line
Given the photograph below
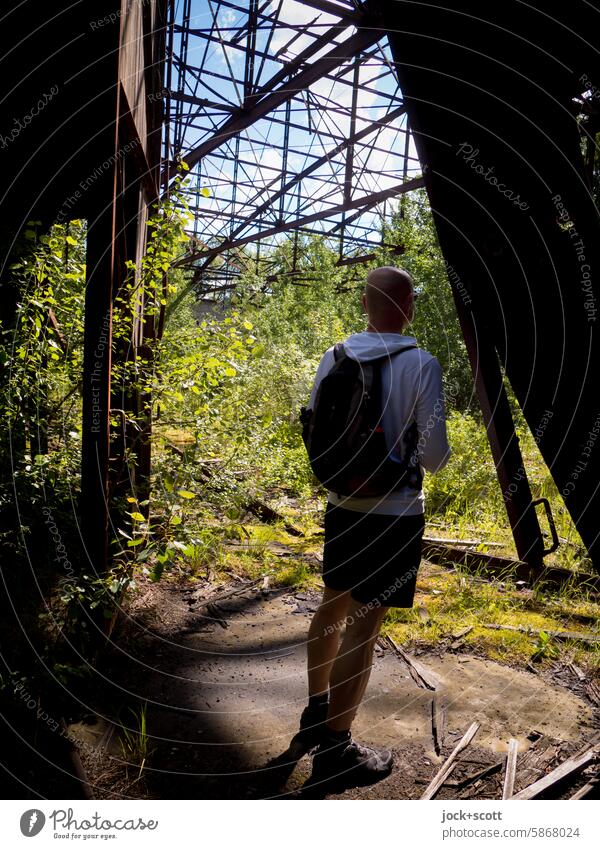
x,y
285,113
363,203
245,117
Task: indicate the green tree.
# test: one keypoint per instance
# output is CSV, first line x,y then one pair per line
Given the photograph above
x,y
435,324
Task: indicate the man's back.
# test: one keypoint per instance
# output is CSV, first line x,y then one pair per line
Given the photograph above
x,y
411,392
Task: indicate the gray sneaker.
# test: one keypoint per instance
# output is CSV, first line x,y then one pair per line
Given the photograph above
x,y
348,764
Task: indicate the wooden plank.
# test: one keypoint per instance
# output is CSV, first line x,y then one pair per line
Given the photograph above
x,y
215,599
567,769
266,513
477,776
438,721
459,637
511,769
419,673
506,568
593,691
577,671
558,635
469,542
449,764
461,783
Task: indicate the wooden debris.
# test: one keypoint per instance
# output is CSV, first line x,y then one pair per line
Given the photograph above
x,y
537,760
469,542
470,792
175,449
570,767
281,550
593,691
265,586
418,672
507,568
235,576
459,637
511,769
449,764
577,671
558,635
215,599
268,514
217,615
476,776
534,737
438,721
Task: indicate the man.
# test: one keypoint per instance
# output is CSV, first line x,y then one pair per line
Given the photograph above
x,y
372,545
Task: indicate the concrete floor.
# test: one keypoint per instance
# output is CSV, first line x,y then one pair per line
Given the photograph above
x,y
223,703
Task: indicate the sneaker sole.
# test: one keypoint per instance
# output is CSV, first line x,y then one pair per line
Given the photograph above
x,y
347,780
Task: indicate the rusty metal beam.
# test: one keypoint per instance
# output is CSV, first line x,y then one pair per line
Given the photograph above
x,y
201,101
250,52
298,61
333,9
146,174
97,342
364,202
332,56
297,178
483,359
350,146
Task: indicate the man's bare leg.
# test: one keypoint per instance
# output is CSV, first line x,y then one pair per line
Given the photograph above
x,y
323,644
340,761
324,637
351,669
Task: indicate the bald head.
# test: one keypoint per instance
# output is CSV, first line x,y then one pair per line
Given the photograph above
x,y
388,299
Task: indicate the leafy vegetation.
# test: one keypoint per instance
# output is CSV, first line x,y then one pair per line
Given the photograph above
x,y
223,379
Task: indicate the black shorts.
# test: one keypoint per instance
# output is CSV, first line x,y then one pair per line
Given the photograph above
x,y
374,556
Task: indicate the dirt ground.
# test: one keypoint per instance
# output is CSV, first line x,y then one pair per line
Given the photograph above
x,y
223,694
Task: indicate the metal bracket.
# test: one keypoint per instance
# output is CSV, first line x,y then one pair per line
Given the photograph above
x,y
551,524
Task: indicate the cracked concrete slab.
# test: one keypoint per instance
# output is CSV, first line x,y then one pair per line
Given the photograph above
x,y
224,701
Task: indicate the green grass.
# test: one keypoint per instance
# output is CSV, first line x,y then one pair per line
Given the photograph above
x,y
135,743
463,502
454,601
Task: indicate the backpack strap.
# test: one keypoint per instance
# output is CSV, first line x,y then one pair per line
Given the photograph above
x,y
338,351
372,376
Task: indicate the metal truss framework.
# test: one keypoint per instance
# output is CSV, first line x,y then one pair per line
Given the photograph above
x,y
289,114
